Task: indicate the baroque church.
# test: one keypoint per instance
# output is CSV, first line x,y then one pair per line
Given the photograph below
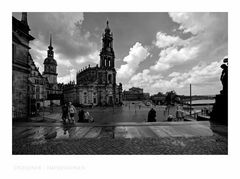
x,y
97,85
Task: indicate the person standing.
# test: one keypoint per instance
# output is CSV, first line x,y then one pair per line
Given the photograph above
x,y
152,115
88,117
71,111
64,113
81,116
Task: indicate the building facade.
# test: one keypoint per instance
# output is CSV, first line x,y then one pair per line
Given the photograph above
x,y
135,94
20,67
97,85
158,98
37,85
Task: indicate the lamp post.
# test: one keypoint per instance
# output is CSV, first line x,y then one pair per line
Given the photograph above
x,y
190,99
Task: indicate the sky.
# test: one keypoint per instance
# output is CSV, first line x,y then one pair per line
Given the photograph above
x,y
158,51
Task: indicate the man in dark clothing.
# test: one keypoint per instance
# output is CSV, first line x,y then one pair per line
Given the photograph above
x,y
81,117
152,115
64,112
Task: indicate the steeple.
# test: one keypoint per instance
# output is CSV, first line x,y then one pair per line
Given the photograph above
x,y
107,53
24,18
50,64
50,40
107,29
50,48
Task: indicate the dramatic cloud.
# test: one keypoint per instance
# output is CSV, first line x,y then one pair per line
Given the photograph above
x,y
200,75
136,55
91,58
70,40
164,40
192,22
70,77
208,40
210,32
172,56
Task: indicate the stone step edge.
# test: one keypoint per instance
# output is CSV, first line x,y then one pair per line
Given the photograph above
x,y
181,123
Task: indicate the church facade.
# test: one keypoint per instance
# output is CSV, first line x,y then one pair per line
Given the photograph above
x,y
97,85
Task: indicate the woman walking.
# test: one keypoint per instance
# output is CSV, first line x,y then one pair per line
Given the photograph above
x,y
71,111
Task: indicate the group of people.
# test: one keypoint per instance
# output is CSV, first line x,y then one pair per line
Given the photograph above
x,y
179,114
68,113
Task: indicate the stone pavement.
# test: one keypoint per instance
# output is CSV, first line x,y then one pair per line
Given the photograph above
x,y
150,146
118,138
117,130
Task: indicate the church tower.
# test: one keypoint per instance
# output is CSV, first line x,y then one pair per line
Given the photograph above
x,y
50,65
107,54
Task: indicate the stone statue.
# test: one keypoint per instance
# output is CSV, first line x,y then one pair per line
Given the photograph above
x,y
224,78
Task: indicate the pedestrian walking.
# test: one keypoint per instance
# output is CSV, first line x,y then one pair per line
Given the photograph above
x,y
64,112
179,114
81,117
71,111
88,117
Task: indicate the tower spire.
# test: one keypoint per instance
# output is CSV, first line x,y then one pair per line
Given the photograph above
x,y
24,18
107,29
107,23
50,48
50,40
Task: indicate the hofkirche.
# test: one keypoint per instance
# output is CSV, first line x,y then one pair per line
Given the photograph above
x,y
97,85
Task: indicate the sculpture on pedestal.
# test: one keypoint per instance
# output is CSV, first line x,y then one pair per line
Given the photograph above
x,y
220,109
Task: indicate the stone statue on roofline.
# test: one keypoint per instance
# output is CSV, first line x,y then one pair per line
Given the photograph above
x,y
224,76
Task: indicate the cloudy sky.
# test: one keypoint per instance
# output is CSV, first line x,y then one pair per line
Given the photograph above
x,y
154,51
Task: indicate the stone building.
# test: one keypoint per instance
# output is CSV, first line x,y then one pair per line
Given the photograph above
x,y
135,94
158,98
97,85
37,87
20,67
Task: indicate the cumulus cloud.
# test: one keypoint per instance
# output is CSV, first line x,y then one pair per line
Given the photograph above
x,y
137,54
202,74
172,56
192,22
199,75
174,74
208,40
70,40
164,40
69,77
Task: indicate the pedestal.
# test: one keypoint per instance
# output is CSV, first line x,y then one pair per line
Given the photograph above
x,y
220,109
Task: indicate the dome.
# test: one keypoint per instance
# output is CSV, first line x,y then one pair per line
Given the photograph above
x,y
50,61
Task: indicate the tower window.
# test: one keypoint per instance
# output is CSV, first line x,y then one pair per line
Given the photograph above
x,y
110,78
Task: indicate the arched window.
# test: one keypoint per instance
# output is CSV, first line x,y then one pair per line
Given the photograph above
x,y
110,78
